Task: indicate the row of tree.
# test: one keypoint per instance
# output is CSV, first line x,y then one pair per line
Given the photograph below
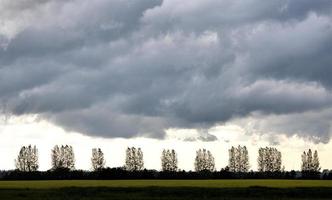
x,y
121,173
310,162
63,157
204,160
169,160
269,159
238,159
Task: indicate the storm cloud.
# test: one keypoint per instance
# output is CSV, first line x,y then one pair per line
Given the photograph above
x,y
123,68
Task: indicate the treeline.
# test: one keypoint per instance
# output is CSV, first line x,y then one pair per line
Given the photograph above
x,y
269,161
122,174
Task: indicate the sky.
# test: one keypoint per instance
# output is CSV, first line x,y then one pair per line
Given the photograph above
x,y
166,74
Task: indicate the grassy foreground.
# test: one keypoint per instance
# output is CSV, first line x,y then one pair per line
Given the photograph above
x,y
165,183
167,189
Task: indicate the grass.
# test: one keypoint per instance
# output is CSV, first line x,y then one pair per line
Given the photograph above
x,y
165,183
167,189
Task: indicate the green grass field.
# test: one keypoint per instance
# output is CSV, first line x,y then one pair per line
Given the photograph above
x,y
165,183
167,189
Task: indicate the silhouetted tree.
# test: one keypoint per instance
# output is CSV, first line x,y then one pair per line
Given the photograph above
x,y
238,159
204,160
316,165
309,162
27,159
63,157
244,159
169,161
97,159
261,160
269,160
134,159
232,162
304,166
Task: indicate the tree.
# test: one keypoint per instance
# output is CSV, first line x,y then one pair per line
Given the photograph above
x,y
140,160
97,160
310,162
174,159
269,160
134,159
304,166
244,160
278,162
27,159
261,160
232,161
204,160
238,159
316,165
169,160
129,160
63,157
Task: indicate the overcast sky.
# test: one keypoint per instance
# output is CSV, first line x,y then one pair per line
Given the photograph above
x,y
166,73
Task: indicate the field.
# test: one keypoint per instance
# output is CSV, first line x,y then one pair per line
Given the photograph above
x,y
167,189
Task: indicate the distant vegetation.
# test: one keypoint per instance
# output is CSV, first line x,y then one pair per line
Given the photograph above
x,y
63,166
123,173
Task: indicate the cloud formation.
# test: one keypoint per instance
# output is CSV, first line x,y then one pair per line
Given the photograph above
x,y
116,68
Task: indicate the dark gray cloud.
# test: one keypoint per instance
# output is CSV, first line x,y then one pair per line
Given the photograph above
x,y
126,68
312,125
